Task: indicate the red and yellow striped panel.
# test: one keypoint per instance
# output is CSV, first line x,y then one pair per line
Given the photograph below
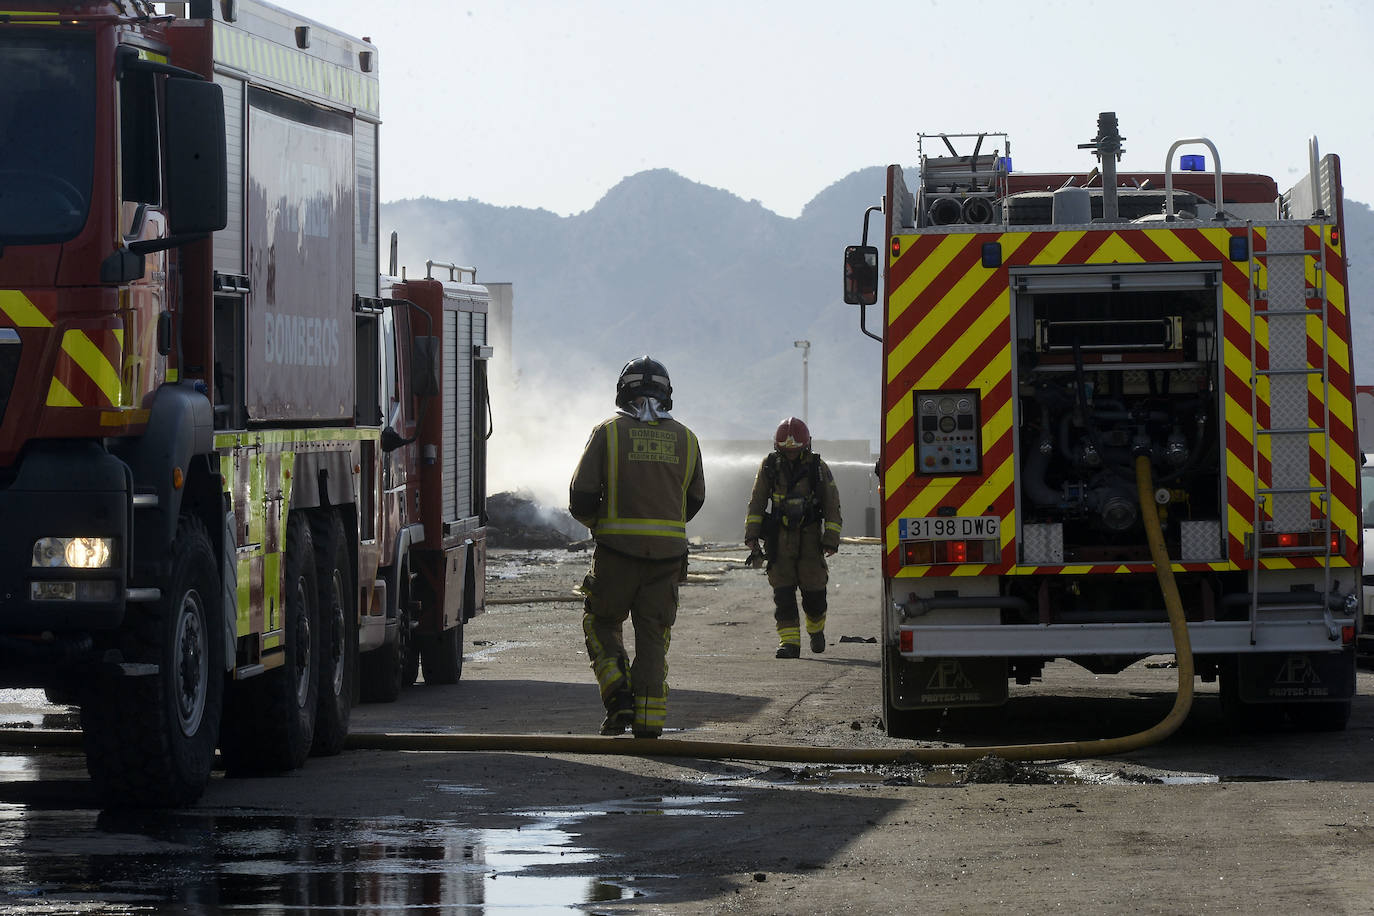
x,y
85,371
948,326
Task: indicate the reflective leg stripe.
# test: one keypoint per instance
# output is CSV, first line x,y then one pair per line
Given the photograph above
x,y
650,713
815,626
610,670
789,636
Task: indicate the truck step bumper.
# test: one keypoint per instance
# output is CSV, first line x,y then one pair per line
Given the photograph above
x,y
1059,640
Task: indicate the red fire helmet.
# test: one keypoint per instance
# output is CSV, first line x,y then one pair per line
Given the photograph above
x,y
792,434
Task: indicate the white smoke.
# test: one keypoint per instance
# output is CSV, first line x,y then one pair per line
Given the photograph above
x,y
540,425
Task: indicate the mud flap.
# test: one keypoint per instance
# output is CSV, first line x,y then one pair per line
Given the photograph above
x,y
942,682
1296,677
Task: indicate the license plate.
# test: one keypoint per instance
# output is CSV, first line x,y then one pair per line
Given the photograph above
x,y
949,528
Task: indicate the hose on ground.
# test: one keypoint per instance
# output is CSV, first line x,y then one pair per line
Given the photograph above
x,y
675,747
721,750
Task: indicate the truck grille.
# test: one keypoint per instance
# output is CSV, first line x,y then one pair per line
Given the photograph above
x,y
9,366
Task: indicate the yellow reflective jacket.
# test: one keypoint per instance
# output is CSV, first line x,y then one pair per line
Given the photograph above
x,y
637,485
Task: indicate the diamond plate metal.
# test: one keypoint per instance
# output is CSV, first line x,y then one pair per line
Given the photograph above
x,y
1288,394
1287,283
1042,545
1201,541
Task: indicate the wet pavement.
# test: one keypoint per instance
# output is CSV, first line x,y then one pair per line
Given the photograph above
x,y
61,855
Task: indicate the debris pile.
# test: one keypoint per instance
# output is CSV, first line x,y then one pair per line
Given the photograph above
x,y
993,769
516,520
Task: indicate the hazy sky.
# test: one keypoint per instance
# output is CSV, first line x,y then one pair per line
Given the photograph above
x,y
549,103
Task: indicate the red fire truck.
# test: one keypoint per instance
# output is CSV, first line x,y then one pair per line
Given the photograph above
x,y
240,482
1040,333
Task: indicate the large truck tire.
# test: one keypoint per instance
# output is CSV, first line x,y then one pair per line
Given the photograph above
x,y
150,739
387,670
338,633
441,656
269,721
904,723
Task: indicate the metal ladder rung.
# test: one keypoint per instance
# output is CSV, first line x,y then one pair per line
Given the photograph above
x,y
1310,370
1316,313
1291,490
1296,252
1302,430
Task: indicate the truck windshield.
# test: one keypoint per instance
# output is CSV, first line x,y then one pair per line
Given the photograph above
x,y
47,129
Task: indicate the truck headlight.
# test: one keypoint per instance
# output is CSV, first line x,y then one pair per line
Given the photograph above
x,y
73,553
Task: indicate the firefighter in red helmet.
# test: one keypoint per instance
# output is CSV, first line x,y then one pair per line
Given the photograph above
x,y
795,510
636,487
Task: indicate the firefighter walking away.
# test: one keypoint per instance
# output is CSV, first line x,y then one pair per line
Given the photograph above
x,y
795,510
637,485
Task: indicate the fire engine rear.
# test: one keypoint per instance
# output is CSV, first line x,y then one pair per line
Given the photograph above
x,y
1040,333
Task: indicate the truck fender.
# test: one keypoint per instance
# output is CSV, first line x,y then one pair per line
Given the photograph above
x,y
229,575
405,538
180,427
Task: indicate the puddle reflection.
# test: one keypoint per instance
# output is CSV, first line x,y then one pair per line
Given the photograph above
x,y
179,862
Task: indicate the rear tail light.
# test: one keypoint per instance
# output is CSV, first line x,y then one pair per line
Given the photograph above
x,y
932,553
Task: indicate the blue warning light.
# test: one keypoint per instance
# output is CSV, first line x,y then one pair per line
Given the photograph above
x,y
1195,163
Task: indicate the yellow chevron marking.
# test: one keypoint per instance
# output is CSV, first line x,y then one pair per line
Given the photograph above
x,y
83,351
59,396
901,468
1173,246
905,294
897,417
1000,421
21,310
933,495
1334,347
984,327
1114,250
1058,247
996,370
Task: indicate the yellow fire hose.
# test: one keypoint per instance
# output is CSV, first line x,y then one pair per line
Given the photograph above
x,y
675,747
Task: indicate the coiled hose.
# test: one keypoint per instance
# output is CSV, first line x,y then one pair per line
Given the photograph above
x,y
724,750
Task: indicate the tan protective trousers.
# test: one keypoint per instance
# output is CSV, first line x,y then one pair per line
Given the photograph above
x,y
646,592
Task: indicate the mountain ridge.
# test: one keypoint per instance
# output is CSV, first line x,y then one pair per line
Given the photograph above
x,y
715,286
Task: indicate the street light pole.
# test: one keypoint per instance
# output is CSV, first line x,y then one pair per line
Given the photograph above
x,y
805,347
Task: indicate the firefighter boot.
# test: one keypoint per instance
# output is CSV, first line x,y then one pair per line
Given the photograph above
x,y
618,697
785,615
813,604
620,713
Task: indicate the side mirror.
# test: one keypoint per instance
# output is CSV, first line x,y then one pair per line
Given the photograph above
x,y
424,367
392,440
197,183
860,274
